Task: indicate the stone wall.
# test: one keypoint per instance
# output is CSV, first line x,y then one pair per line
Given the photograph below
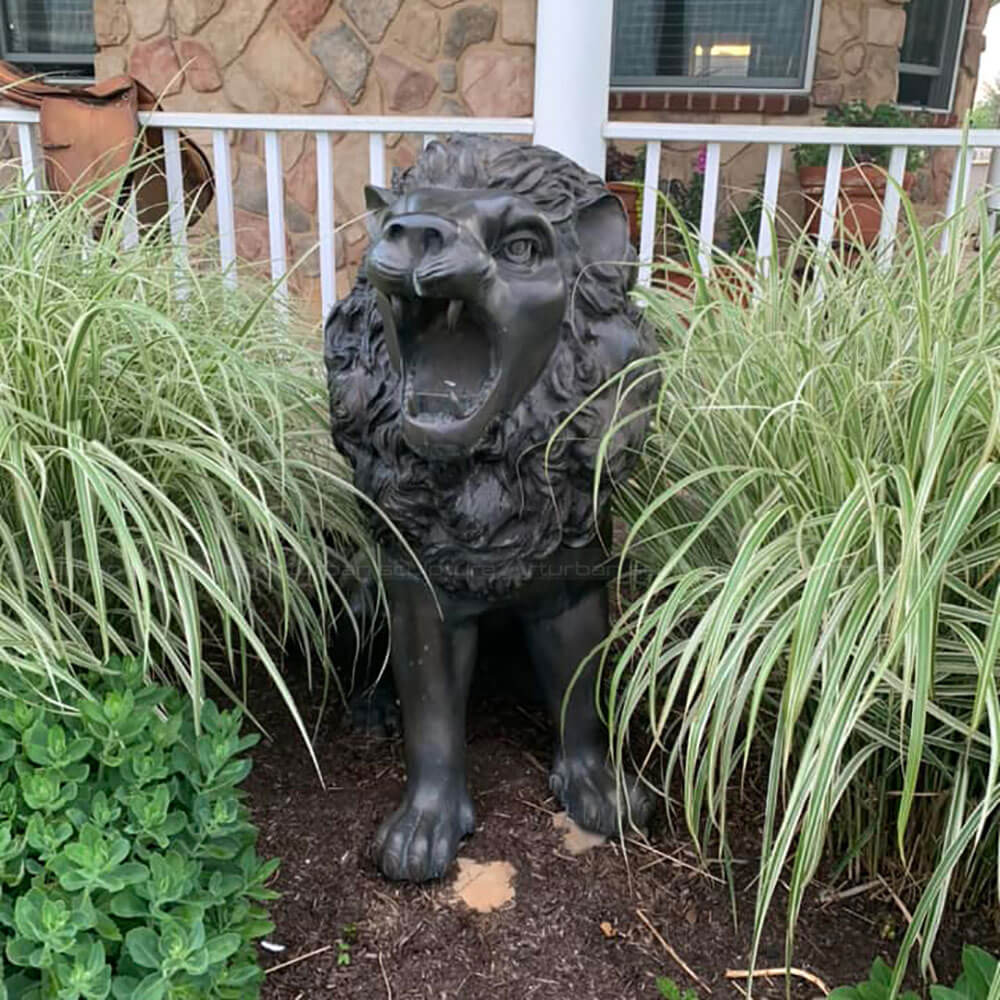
x,y
431,57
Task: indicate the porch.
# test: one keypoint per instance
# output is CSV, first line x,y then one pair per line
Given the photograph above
x,y
564,64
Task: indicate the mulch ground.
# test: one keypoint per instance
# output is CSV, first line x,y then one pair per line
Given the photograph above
x,y
548,943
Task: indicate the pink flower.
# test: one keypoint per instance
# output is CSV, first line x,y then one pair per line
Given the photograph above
x,y
699,164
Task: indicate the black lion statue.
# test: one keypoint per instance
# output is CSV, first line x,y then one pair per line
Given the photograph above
x,y
486,350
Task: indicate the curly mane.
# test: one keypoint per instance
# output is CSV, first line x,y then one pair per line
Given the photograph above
x,y
539,491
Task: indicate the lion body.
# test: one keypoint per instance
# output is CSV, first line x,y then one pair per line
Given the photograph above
x,y
484,523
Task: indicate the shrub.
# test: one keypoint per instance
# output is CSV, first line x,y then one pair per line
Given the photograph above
x,y
127,860
857,114
816,525
978,972
977,981
878,986
168,482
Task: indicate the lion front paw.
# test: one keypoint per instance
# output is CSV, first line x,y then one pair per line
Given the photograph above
x,y
420,839
593,798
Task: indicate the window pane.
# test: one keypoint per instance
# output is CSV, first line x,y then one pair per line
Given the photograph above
x,y
712,43
929,52
926,29
915,89
49,27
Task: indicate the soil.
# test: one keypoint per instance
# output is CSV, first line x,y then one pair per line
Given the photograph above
x,y
573,926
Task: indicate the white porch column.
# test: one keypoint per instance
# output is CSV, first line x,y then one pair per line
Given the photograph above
x,y
572,76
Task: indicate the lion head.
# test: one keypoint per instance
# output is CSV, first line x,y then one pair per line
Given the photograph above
x,y
492,307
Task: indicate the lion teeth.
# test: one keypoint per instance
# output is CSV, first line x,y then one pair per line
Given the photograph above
x,y
454,311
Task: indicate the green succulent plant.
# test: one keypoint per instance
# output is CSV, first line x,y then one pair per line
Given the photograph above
x,y
128,866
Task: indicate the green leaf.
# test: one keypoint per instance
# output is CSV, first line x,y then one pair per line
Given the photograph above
x,y
153,987
881,973
28,915
221,947
21,951
143,947
45,837
87,976
241,975
844,993
979,968
947,993
129,904
124,987
106,927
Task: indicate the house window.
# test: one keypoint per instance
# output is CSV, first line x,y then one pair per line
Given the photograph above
x,y
928,59
715,44
49,36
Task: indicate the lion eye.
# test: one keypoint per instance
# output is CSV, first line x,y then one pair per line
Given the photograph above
x,y
521,250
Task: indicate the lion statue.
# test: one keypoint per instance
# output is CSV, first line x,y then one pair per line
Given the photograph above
x,y
487,360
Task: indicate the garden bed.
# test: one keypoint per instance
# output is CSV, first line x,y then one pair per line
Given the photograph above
x,y
548,943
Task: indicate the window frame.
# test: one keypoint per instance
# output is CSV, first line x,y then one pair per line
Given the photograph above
x,y
690,84
65,63
955,56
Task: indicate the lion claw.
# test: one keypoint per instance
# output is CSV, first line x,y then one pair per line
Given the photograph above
x,y
418,842
592,796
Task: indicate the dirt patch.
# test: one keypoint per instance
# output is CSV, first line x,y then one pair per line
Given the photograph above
x,y
485,887
576,840
572,929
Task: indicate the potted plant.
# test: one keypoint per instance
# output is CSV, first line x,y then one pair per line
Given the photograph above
x,y
863,177
624,173
678,208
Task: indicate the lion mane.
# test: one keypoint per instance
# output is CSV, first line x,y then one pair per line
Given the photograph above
x,y
484,523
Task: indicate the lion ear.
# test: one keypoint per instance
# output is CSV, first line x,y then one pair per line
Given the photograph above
x,y
603,230
377,198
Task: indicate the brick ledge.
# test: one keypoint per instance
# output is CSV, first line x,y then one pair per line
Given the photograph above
x,y
748,103
699,101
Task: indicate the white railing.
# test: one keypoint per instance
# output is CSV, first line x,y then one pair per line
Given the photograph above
x,y
777,139
324,127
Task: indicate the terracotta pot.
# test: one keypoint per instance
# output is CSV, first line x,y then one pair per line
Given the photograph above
x,y
628,195
679,282
859,202
735,281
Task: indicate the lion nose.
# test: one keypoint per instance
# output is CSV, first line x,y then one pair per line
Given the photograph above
x,y
421,234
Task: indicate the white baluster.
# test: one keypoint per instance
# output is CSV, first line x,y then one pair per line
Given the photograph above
x,y
890,206
650,204
276,214
709,206
769,207
224,205
327,238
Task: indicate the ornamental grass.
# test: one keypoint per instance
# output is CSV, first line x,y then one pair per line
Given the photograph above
x,y
167,484
814,542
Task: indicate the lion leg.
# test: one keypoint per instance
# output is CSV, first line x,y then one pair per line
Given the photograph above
x,y
581,778
374,709
432,662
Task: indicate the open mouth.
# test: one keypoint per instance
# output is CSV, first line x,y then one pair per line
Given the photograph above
x,y
447,356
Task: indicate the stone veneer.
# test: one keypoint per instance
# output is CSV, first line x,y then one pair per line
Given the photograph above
x,y
431,57
443,57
